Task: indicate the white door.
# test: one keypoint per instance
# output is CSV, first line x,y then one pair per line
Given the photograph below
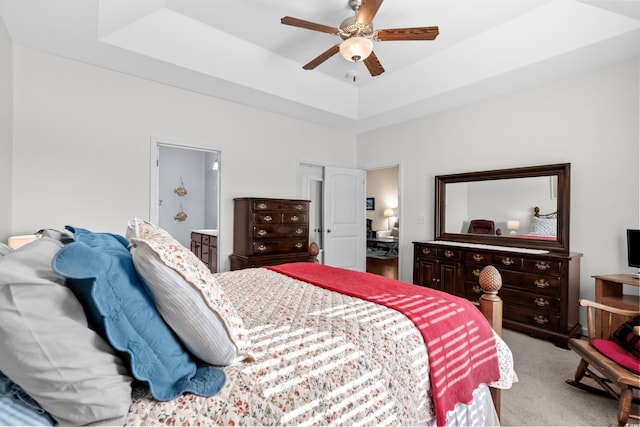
x,y
344,213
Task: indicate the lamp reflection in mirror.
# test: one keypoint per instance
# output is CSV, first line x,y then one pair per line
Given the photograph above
x,y
356,48
388,213
513,225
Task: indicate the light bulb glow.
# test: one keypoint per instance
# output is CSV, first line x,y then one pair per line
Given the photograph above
x,y
356,48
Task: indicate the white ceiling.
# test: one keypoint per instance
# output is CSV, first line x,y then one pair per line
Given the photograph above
x,y
238,50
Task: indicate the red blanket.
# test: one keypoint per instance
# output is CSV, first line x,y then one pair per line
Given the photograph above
x,y
459,340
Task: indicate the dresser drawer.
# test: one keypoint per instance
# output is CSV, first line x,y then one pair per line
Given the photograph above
x,y
538,319
507,261
531,301
441,253
544,285
473,291
540,266
279,231
267,247
476,258
294,218
279,205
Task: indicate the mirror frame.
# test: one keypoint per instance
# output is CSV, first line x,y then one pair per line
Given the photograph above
x,y
561,170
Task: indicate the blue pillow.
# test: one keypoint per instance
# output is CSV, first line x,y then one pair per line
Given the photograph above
x,y
99,269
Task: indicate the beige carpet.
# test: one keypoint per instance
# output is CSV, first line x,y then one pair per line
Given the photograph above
x,y
542,398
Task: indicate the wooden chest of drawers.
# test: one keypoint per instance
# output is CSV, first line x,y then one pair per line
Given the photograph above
x,y
540,292
205,246
269,232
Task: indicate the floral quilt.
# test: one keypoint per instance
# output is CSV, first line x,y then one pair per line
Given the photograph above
x,y
321,358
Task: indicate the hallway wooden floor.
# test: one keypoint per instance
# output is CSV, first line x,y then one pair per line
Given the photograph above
x,y
383,267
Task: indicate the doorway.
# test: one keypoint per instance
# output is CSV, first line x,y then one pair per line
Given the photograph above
x,y
383,225
185,189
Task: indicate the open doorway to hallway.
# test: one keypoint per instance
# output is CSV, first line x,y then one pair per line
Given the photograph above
x,y
383,227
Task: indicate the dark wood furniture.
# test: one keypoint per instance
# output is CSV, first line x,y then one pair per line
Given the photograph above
x,y
608,291
540,292
205,246
615,380
269,232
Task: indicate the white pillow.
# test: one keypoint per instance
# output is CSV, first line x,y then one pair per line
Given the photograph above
x,y
544,226
187,296
4,249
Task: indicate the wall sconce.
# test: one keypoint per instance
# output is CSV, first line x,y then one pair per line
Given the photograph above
x,y
513,225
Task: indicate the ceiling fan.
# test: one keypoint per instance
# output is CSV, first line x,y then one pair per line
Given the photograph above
x,y
356,34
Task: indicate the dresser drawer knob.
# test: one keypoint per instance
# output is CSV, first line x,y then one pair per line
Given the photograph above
x,y
299,207
478,257
294,218
476,272
477,289
262,206
299,231
540,319
426,251
261,248
541,302
541,283
262,232
448,254
542,265
268,218
507,261
299,245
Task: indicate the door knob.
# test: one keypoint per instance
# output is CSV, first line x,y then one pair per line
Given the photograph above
x,y
328,230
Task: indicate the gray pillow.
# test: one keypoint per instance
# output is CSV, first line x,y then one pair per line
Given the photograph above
x,y
4,249
47,348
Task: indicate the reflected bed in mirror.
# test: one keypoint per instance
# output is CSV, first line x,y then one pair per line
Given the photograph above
x,y
525,207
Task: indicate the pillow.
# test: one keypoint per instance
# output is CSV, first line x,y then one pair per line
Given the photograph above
x,y
100,271
17,408
47,348
5,249
544,226
627,336
395,232
616,353
187,295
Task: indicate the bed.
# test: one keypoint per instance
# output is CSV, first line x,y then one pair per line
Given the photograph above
x,y
543,226
171,344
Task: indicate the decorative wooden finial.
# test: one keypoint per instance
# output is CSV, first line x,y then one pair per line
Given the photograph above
x,y
490,281
314,250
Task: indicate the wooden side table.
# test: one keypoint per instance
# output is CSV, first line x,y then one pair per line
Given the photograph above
x,y
609,292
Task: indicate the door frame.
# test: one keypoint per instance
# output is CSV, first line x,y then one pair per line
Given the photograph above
x,y
154,176
389,165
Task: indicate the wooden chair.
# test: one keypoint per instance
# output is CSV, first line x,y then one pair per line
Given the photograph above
x,y
616,381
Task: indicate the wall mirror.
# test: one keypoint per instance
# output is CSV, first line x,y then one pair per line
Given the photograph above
x,y
498,207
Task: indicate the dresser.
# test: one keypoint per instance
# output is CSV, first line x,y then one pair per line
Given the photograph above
x,y
269,232
205,246
540,291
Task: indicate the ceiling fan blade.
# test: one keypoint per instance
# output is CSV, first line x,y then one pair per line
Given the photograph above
x,y
417,33
322,57
373,65
367,11
288,20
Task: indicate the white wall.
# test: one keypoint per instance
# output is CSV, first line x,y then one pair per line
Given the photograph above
x,y
82,145
590,120
6,129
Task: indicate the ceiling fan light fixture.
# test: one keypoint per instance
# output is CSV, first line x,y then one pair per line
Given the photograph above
x,y
356,48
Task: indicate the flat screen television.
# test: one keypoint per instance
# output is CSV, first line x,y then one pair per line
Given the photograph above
x,y
633,249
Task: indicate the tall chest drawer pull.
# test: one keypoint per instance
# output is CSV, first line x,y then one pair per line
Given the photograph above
x,y
541,283
262,206
540,319
268,218
478,257
294,218
299,207
299,231
476,272
426,251
477,289
261,248
542,265
507,261
448,254
541,302
262,233
298,245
